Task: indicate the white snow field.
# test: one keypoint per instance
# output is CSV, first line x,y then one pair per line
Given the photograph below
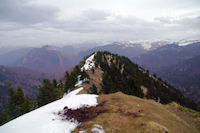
x,y
44,119
89,63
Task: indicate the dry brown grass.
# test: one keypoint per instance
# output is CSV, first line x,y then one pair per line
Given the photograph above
x,y
95,78
184,115
83,91
129,114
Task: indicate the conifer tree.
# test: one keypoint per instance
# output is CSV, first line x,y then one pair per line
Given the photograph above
x,y
3,118
68,82
10,107
18,104
19,101
84,75
57,90
48,92
27,105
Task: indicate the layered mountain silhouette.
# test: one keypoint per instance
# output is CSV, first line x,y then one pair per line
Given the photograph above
x,y
122,48
176,64
12,56
129,99
185,76
162,60
167,55
47,59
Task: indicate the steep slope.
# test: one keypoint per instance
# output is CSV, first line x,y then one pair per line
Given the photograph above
x,y
116,112
46,59
176,64
110,73
185,76
46,120
10,57
28,79
119,113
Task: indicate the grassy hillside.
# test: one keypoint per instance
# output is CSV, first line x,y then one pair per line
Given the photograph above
x,y
132,100
113,73
124,113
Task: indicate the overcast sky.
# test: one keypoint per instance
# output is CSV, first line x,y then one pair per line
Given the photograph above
x,y
39,22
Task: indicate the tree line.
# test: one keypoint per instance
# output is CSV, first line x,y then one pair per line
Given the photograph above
x,y
120,74
19,103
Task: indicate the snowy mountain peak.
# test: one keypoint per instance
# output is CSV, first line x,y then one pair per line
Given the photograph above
x,y
186,42
153,44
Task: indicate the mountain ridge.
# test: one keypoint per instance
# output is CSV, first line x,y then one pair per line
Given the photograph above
x,y
117,73
170,62
122,102
46,59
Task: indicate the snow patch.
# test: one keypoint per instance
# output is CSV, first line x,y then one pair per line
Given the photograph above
x,y
89,63
44,119
187,42
97,129
79,82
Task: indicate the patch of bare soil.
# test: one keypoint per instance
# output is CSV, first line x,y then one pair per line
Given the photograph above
x,y
82,114
145,90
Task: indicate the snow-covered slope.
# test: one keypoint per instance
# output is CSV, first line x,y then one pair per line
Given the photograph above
x,y
89,63
45,119
186,42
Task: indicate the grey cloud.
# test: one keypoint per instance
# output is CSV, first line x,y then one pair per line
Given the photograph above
x,y
164,20
185,23
95,15
100,21
19,11
189,22
38,24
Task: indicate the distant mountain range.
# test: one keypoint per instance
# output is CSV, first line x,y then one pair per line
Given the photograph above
x,y
116,80
47,59
58,59
176,64
122,48
167,55
162,57
185,76
11,56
